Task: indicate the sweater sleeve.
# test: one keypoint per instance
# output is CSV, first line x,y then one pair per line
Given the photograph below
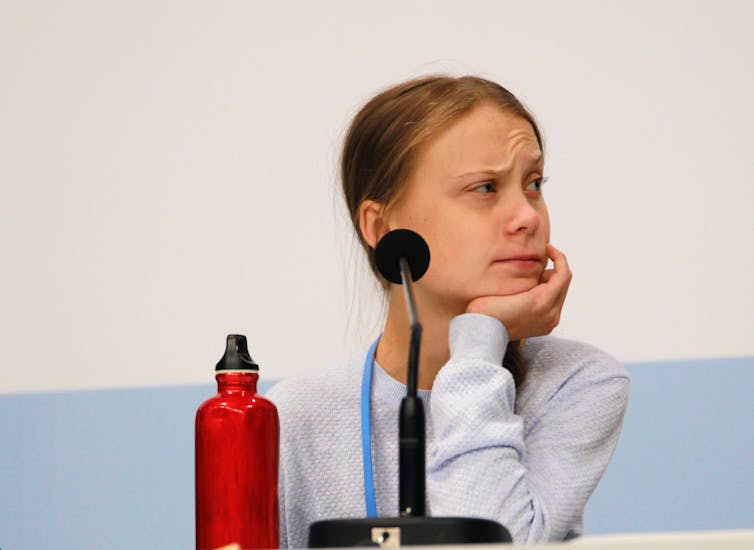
x,y
481,464
282,519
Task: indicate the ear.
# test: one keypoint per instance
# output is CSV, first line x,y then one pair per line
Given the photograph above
x,y
371,222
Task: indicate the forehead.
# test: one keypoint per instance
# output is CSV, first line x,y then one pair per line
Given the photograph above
x,y
486,138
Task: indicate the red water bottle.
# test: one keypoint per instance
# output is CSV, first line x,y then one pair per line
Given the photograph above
x,y
236,460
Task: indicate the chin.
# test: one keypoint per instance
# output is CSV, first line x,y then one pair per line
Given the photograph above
x,y
512,286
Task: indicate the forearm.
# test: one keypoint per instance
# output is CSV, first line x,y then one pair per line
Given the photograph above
x,y
485,462
476,464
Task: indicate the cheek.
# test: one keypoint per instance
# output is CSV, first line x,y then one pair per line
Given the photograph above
x,y
545,224
457,257
429,221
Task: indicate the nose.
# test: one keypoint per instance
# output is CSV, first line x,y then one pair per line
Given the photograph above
x,y
521,216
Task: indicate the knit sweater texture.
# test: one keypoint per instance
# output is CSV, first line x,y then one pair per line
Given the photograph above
x,y
528,459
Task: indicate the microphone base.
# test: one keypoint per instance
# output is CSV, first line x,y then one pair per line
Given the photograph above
x,y
407,531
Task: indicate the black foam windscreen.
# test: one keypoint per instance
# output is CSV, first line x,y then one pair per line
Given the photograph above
x,y
402,243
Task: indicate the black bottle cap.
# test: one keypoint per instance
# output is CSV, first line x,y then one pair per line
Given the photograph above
x,y
236,355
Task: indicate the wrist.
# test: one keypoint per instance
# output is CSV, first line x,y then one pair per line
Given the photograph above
x,y
477,335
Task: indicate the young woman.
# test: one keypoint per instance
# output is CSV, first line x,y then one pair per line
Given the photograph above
x,y
520,425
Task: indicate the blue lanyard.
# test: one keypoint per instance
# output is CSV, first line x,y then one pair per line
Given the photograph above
x,y
366,432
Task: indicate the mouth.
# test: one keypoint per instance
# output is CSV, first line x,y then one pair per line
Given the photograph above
x,y
523,261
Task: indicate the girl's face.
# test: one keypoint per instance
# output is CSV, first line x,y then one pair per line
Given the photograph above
x,y
475,196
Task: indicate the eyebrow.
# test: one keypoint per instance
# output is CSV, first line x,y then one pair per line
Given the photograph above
x,y
530,161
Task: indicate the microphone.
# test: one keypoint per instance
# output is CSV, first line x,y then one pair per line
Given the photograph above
x,y
402,244
402,257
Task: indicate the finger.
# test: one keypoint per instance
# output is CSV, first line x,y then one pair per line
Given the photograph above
x,y
554,292
559,260
560,275
559,265
548,292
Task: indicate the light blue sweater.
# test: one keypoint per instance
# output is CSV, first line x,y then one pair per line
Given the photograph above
x,y
529,461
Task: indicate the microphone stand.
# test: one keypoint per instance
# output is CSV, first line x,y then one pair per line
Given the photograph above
x,y
412,527
412,487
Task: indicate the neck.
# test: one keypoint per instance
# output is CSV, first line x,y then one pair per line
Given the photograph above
x,y
392,351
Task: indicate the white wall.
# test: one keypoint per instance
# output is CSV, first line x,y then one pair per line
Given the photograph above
x,y
167,174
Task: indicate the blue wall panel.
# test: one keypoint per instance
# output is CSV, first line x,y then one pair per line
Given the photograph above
x,y
115,468
686,456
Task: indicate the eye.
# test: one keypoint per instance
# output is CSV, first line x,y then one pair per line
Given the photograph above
x,y
536,185
488,187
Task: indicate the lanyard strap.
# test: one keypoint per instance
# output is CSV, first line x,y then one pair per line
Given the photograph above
x,y
366,432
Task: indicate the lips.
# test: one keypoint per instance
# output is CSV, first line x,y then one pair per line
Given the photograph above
x,y
522,258
524,262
